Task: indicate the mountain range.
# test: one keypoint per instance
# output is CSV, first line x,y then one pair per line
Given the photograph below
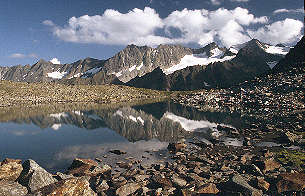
x,y
166,67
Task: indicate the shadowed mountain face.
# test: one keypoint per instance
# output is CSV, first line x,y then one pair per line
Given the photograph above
x,y
167,67
295,57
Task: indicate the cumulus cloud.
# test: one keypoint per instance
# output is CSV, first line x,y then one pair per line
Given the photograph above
x,y
55,61
20,55
285,31
146,27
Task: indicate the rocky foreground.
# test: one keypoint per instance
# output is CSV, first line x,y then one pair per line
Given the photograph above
x,y
18,93
196,168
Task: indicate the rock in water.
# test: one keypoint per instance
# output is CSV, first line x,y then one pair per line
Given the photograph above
x,y
10,169
12,189
69,187
127,189
34,177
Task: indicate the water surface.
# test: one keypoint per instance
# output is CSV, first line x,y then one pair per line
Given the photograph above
x,y
54,139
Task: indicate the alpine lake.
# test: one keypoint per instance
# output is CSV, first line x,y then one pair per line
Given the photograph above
x,y
54,135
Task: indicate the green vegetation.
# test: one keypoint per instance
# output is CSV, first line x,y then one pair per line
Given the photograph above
x,y
292,157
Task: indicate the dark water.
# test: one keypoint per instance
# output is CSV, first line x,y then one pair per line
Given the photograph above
x,y
55,139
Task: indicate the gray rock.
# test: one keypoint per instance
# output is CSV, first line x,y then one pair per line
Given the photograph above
x,y
34,177
102,187
127,189
8,188
238,183
178,181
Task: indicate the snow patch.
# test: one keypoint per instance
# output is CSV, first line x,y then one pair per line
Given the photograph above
x,y
76,75
190,125
79,113
59,115
92,71
132,118
271,64
141,120
197,59
139,67
56,75
233,50
117,74
118,113
55,127
132,68
277,50
217,53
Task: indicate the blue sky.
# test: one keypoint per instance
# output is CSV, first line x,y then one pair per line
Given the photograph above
x,y
73,29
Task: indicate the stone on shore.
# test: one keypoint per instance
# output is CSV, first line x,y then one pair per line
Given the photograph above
x,y
291,182
70,187
34,177
87,167
127,189
10,169
9,188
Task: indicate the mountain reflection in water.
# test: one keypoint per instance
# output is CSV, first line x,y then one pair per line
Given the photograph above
x,y
55,139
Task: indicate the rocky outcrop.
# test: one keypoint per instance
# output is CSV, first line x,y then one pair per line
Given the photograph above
x,y
294,58
45,71
34,177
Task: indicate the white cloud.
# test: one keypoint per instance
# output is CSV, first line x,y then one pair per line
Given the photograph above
x,y
55,61
145,27
215,2
112,27
17,55
300,10
285,31
20,55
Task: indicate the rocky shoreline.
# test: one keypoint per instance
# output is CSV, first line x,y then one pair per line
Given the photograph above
x,y
195,168
29,94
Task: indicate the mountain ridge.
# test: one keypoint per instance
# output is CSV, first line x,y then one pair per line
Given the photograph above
x,y
175,65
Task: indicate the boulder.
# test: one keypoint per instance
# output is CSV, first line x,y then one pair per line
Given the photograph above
x,y
10,169
178,181
238,184
178,146
262,184
87,167
34,177
70,187
267,165
291,182
8,188
161,181
207,189
117,152
127,189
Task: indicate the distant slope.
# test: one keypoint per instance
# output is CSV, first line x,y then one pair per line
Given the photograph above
x,y
295,57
